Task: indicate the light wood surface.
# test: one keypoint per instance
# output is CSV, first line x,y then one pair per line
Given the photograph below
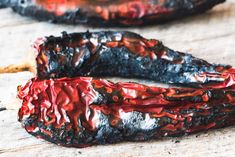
x,y
210,36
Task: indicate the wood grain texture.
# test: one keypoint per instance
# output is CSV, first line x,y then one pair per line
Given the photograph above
x,y
210,36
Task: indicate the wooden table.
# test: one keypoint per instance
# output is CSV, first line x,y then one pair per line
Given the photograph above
x,y
210,36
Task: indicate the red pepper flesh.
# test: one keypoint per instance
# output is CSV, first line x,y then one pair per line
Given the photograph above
x,y
111,12
81,111
126,54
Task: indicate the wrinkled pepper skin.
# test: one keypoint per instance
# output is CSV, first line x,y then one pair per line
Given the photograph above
x,y
111,12
125,54
82,111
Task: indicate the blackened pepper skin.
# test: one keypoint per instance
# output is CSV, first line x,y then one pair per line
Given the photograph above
x,y
82,111
111,12
125,54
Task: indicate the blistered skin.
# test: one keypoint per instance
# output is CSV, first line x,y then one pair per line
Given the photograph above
x,y
111,12
125,54
82,111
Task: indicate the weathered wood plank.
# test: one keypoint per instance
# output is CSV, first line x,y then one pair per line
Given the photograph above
x,y
8,89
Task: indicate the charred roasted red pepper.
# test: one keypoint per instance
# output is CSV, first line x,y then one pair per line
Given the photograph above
x,y
111,12
126,54
82,111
